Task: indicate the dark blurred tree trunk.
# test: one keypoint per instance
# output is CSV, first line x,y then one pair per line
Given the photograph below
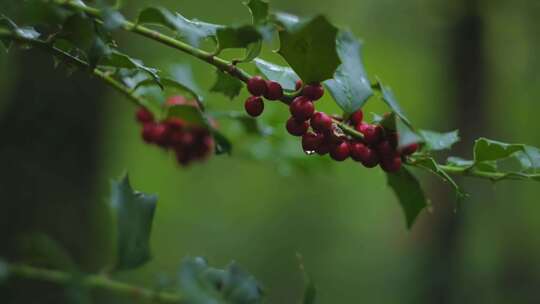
x,y
48,160
468,74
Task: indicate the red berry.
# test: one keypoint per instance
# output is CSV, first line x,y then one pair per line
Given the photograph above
x,y
302,108
364,154
176,100
357,117
144,116
410,149
340,152
385,150
296,128
274,91
148,132
256,86
311,141
161,134
313,91
372,133
320,122
183,156
254,106
324,148
299,84
175,123
391,165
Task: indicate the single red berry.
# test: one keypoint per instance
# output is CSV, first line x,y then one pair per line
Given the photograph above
x,y
144,116
409,149
372,133
161,134
296,128
183,156
321,123
357,117
256,86
175,123
385,150
311,141
313,91
364,154
324,148
274,91
147,132
340,152
254,106
391,165
299,84
204,147
302,108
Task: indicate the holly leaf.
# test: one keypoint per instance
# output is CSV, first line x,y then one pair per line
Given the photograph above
x,y
236,37
492,150
193,31
112,19
310,49
409,193
120,60
389,98
435,141
281,74
201,283
259,10
227,85
133,212
350,86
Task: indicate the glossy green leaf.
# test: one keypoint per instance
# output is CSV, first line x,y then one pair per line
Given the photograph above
x,y
460,162
183,74
281,74
286,20
9,25
252,51
120,60
193,31
237,37
259,10
134,213
310,49
529,158
389,98
112,19
409,193
227,85
435,141
492,150
350,86
169,83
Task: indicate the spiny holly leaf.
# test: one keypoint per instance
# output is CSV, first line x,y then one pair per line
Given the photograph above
x,y
237,37
184,75
201,283
389,98
134,212
227,85
350,86
193,31
310,49
281,74
432,166
252,51
492,150
435,141
169,83
530,158
120,60
410,194
259,10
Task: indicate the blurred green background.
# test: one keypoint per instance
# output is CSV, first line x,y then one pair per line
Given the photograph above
x,y
465,64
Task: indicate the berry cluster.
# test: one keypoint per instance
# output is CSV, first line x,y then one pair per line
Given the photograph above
x,y
258,87
189,143
378,146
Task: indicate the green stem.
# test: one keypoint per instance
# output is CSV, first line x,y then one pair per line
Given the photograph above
x,y
95,282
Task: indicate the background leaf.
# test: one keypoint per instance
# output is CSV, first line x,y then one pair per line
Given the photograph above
x,y
409,193
310,49
134,212
227,85
259,10
350,86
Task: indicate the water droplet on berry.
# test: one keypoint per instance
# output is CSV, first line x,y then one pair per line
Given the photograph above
x,y
309,152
